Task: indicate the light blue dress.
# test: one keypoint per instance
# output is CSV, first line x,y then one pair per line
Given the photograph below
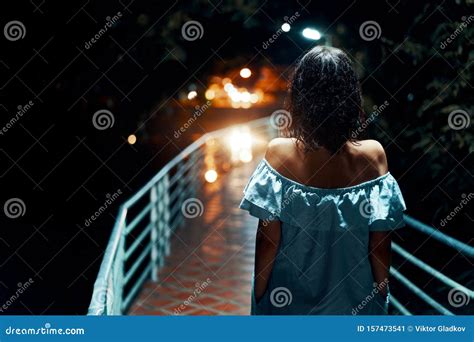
x,y
322,266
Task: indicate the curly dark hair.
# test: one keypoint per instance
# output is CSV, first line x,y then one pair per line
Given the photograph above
x,y
324,100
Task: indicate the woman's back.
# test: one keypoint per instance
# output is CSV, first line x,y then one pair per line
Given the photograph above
x,y
326,211
325,201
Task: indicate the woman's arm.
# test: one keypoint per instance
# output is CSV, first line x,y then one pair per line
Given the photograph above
x,y
266,248
379,256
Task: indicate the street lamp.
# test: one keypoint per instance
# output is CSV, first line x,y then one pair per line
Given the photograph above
x,y
311,33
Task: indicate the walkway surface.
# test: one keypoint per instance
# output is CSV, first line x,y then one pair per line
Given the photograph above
x,y
210,266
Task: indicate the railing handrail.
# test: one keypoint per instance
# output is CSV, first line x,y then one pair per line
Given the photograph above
x,y
109,254
120,223
441,237
180,156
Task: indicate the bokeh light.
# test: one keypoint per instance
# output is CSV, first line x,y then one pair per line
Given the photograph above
x,y
210,176
245,73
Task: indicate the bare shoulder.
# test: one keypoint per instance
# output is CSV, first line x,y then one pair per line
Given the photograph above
x,y
280,151
374,153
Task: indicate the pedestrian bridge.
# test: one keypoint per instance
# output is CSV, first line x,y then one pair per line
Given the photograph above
x,y
180,245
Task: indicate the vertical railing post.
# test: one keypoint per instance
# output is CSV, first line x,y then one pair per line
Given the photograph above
x,y
154,232
120,277
193,171
165,230
182,191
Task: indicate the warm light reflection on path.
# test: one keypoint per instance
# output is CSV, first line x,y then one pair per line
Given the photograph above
x,y
211,262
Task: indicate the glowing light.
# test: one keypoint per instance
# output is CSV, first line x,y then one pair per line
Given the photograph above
x,y
253,98
210,176
236,96
311,34
245,96
245,156
240,144
132,139
192,94
228,87
210,94
226,80
286,27
245,73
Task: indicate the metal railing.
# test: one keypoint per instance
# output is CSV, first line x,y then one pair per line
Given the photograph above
x,y
459,246
140,239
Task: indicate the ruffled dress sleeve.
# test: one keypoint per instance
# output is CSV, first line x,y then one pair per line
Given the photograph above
x,y
386,206
263,194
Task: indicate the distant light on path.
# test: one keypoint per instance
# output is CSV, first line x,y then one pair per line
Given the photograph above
x,y
210,176
311,34
192,94
245,73
210,94
286,27
132,139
